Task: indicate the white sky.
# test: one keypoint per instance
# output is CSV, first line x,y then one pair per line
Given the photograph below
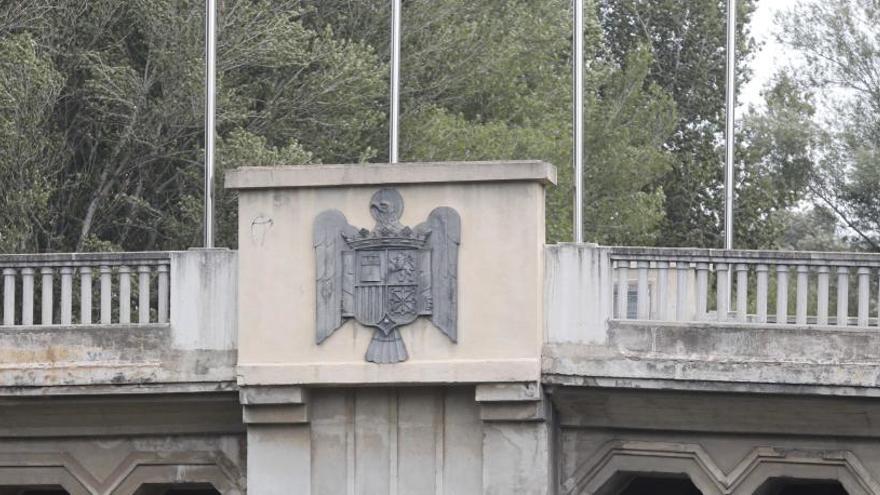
x,y
770,55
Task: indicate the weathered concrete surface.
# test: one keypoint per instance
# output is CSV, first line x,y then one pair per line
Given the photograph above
x,y
386,173
112,444
204,299
741,357
105,355
578,293
197,347
725,443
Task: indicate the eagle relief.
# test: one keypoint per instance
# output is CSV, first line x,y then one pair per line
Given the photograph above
x,y
389,276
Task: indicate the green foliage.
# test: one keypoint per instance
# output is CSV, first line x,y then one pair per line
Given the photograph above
x,y
101,117
838,42
105,149
29,155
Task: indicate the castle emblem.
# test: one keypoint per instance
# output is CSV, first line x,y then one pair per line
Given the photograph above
x,y
389,276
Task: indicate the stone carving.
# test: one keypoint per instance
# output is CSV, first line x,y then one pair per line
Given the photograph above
x,y
389,276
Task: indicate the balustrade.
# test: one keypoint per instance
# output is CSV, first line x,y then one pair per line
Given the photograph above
x,y
58,301
740,286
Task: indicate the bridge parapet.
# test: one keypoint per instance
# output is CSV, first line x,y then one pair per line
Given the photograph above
x,y
143,319
804,318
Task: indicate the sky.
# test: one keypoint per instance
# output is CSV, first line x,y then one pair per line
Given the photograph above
x,y
771,54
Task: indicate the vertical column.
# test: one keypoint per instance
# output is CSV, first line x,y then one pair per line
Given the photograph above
x,y
85,295
106,294
163,293
722,287
66,295
47,295
681,289
864,295
279,453
517,440
622,288
803,273
822,284
124,295
8,297
662,312
842,296
742,292
782,294
143,294
702,290
761,297
643,303
27,296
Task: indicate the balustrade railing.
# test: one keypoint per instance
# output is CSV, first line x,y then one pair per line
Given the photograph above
x,y
767,287
68,282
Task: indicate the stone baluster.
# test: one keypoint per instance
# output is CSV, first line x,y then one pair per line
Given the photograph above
x,y
643,304
864,274
681,288
622,288
124,295
8,296
722,286
106,294
782,294
803,287
66,295
47,295
27,296
143,294
702,290
662,312
742,292
842,296
85,295
762,295
163,293
822,281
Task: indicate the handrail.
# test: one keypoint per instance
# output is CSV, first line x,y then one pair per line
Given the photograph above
x,y
23,273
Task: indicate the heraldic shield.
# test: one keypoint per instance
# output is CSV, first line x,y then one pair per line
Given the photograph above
x,y
389,276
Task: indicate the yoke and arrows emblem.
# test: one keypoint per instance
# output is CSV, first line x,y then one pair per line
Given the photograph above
x,y
389,276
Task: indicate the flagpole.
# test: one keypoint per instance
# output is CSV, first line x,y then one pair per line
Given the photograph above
x,y
578,118
210,89
395,81
731,116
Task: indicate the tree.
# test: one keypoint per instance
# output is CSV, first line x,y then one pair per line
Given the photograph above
x,y
492,80
687,40
107,146
838,43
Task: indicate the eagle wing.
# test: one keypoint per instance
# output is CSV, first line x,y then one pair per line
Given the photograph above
x,y
444,226
328,230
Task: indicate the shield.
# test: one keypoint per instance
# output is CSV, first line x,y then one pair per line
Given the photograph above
x,y
386,288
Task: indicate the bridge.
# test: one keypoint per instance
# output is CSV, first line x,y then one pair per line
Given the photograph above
x,y
577,368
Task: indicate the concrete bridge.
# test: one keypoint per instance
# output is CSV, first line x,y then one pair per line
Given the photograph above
x,y
576,369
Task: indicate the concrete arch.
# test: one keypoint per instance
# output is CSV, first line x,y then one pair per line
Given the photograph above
x,y
42,476
176,474
601,475
842,467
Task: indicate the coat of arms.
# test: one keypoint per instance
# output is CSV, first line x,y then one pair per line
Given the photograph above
x,y
389,276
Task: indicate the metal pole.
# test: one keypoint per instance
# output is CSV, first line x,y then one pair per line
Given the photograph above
x,y
210,89
578,117
395,80
731,116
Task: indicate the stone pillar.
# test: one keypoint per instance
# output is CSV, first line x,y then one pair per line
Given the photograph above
x,y
517,439
278,439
